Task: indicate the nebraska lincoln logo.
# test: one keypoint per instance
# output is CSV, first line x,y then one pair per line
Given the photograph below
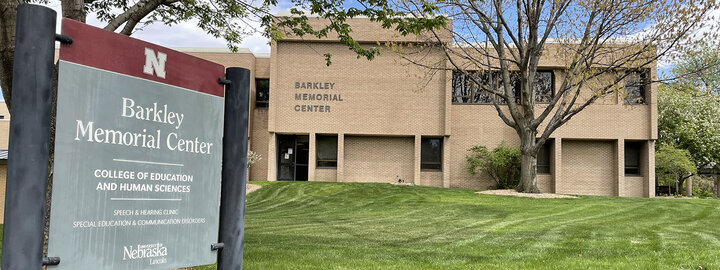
x,y
154,63
144,251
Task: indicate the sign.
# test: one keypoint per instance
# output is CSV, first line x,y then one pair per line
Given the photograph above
x,y
310,99
138,153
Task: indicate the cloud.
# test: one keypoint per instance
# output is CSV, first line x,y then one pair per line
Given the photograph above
x,y
184,34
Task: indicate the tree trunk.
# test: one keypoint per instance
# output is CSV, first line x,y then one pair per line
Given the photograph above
x,y
679,186
8,15
528,174
528,165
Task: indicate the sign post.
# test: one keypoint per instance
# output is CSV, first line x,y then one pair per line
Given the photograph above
x,y
232,209
27,168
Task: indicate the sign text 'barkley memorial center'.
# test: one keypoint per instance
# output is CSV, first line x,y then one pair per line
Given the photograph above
x,y
138,154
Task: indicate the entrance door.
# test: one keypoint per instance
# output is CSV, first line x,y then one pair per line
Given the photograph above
x,y
293,151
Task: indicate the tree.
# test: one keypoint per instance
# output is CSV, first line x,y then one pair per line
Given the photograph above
x,y
673,165
689,109
603,44
690,120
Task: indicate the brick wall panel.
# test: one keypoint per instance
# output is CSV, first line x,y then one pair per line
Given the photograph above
x,y
378,159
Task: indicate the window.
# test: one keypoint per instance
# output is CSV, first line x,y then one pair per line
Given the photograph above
x,y
327,151
431,153
514,83
544,85
635,84
262,93
465,90
543,158
632,157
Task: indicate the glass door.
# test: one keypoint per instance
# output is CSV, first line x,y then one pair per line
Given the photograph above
x,y
293,154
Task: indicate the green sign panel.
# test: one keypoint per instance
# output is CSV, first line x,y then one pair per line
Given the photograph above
x,y
138,156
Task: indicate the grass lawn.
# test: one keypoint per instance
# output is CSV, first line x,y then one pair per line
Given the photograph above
x,y
380,226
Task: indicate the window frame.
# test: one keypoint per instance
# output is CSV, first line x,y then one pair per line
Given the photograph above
x,y
262,103
638,145
548,149
439,164
552,85
644,75
317,150
495,81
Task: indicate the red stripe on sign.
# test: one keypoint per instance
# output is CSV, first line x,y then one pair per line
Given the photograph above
x,y
110,51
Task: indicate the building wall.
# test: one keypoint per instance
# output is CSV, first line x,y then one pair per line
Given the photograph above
x,y
4,126
378,159
260,137
3,175
588,168
326,174
4,138
382,96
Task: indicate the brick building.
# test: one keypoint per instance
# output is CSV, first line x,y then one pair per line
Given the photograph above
x,y
376,121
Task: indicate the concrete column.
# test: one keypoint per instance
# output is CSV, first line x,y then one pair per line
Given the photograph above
x,y
688,187
557,165
416,175
446,162
650,169
272,154
620,167
312,157
341,158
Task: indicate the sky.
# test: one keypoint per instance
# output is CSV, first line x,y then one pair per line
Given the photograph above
x,y
185,34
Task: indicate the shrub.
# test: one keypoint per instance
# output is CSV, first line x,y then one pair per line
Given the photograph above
x,y
502,164
703,186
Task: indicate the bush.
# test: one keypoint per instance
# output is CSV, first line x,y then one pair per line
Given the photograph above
x,y
703,186
502,164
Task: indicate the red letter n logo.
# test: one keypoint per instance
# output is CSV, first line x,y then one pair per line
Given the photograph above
x,y
154,63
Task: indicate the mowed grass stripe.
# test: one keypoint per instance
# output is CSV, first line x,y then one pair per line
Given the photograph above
x,y
381,226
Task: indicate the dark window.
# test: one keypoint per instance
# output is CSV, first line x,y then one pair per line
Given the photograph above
x,y
466,88
543,158
262,93
544,86
635,84
327,151
514,83
431,153
632,157
467,91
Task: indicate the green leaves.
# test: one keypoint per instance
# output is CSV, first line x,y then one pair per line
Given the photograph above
x,y
672,163
690,119
502,164
329,17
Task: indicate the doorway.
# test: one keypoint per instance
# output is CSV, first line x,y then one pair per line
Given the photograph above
x,y
293,154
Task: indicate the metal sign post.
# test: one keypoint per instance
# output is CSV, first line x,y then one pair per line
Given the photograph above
x,y
235,139
27,168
